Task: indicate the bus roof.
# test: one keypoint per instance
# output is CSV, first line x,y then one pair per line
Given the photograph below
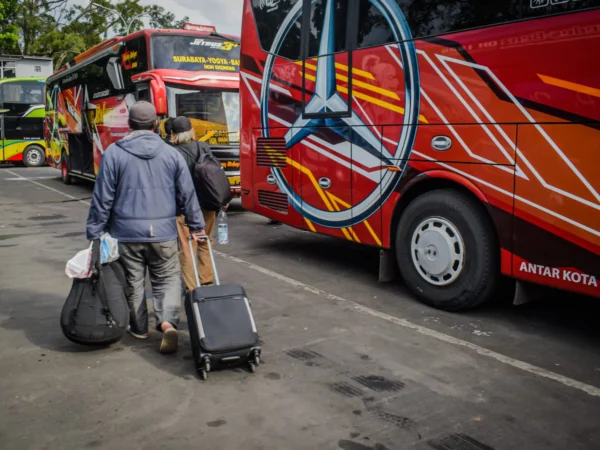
x,y
14,80
117,40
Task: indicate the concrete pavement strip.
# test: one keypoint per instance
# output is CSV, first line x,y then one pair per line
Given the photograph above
x,y
588,389
336,373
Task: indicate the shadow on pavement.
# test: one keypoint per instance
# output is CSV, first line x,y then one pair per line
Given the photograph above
x,y
562,315
38,315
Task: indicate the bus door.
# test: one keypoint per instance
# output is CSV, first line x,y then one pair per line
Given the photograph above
x,y
80,138
324,129
2,136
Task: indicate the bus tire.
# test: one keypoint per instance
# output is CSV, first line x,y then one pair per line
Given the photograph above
x,y
446,250
64,169
34,156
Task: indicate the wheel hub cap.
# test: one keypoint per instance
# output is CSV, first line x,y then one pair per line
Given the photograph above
x,y
438,251
34,157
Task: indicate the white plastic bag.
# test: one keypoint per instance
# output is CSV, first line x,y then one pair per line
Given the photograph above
x,y
109,249
79,265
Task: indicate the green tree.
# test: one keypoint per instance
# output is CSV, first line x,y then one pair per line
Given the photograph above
x,y
61,30
159,18
9,33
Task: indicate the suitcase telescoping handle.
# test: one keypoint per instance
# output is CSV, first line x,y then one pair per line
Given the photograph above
x,y
212,260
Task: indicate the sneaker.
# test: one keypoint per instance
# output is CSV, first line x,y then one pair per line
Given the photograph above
x,y
137,335
169,341
210,283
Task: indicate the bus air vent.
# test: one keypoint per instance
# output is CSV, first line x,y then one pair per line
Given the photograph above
x,y
270,152
276,201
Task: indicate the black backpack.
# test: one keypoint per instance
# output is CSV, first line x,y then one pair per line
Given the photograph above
x,y
96,311
212,185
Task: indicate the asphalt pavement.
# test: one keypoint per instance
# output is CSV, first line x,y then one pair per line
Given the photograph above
x,y
348,363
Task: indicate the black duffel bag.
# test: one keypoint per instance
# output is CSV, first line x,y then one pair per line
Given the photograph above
x,y
96,312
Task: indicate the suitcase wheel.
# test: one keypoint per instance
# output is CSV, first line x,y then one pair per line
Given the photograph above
x,y
203,374
252,367
207,364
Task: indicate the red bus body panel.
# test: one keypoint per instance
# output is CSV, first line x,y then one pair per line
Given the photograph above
x,y
521,104
110,115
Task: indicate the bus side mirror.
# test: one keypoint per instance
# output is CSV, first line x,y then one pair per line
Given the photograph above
x,y
159,97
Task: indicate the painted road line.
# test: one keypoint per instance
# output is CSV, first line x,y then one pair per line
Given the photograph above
x,y
49,188
526,367
587,388
27,178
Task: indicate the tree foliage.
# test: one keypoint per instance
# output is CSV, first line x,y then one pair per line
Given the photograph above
x,y
61,30
9,32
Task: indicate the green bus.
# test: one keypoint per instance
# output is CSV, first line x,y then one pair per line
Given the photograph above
x,y
22,121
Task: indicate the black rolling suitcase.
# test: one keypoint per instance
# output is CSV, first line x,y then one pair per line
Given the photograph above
x,y
222,328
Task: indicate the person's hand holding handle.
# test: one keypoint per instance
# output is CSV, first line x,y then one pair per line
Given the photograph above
x,y
199,236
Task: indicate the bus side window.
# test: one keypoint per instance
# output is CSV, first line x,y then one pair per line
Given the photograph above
x,y
143,93
373,28
540,8
317,18
269,15
115,74
426,19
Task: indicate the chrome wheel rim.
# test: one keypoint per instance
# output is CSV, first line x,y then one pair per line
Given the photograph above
x,y
34,157
438,251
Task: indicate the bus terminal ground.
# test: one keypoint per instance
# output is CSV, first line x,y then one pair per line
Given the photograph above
x,y
348,363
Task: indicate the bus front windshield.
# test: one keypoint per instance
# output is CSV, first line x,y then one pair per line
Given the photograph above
x,y
194,53
22,92
215,114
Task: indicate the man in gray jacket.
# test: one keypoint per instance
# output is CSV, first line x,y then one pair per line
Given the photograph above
x,y
141,184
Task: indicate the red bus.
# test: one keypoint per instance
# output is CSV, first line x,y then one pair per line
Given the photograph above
x,y
461,138
182,72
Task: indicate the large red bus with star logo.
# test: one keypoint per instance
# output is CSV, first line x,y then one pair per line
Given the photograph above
x,y
461,138
192,72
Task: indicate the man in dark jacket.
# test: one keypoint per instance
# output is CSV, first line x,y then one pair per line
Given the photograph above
x,y
141,185
184,140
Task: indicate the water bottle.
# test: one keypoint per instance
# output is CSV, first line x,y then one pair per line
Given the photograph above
x,y
222,230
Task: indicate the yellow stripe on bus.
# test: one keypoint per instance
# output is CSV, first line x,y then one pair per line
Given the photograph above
x,y
330,200
341,67
368,98
570,85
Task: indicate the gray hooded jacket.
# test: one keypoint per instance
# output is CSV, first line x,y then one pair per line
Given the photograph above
x,y
141,183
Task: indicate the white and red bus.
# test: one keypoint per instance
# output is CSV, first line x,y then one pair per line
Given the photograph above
x,y
193,72
460,137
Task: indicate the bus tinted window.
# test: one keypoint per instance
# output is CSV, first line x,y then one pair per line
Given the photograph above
x,y
195,53
95,76
134,59
539,8
269,15
25,92
290,47
373,29
433,17
317,19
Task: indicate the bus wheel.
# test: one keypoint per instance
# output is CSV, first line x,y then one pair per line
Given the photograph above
x,y
64,170
446,251
34,156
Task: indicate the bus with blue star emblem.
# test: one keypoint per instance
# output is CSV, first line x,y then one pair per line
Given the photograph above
x,y
461,138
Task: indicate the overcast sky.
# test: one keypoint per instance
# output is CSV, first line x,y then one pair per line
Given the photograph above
x,y
226,15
